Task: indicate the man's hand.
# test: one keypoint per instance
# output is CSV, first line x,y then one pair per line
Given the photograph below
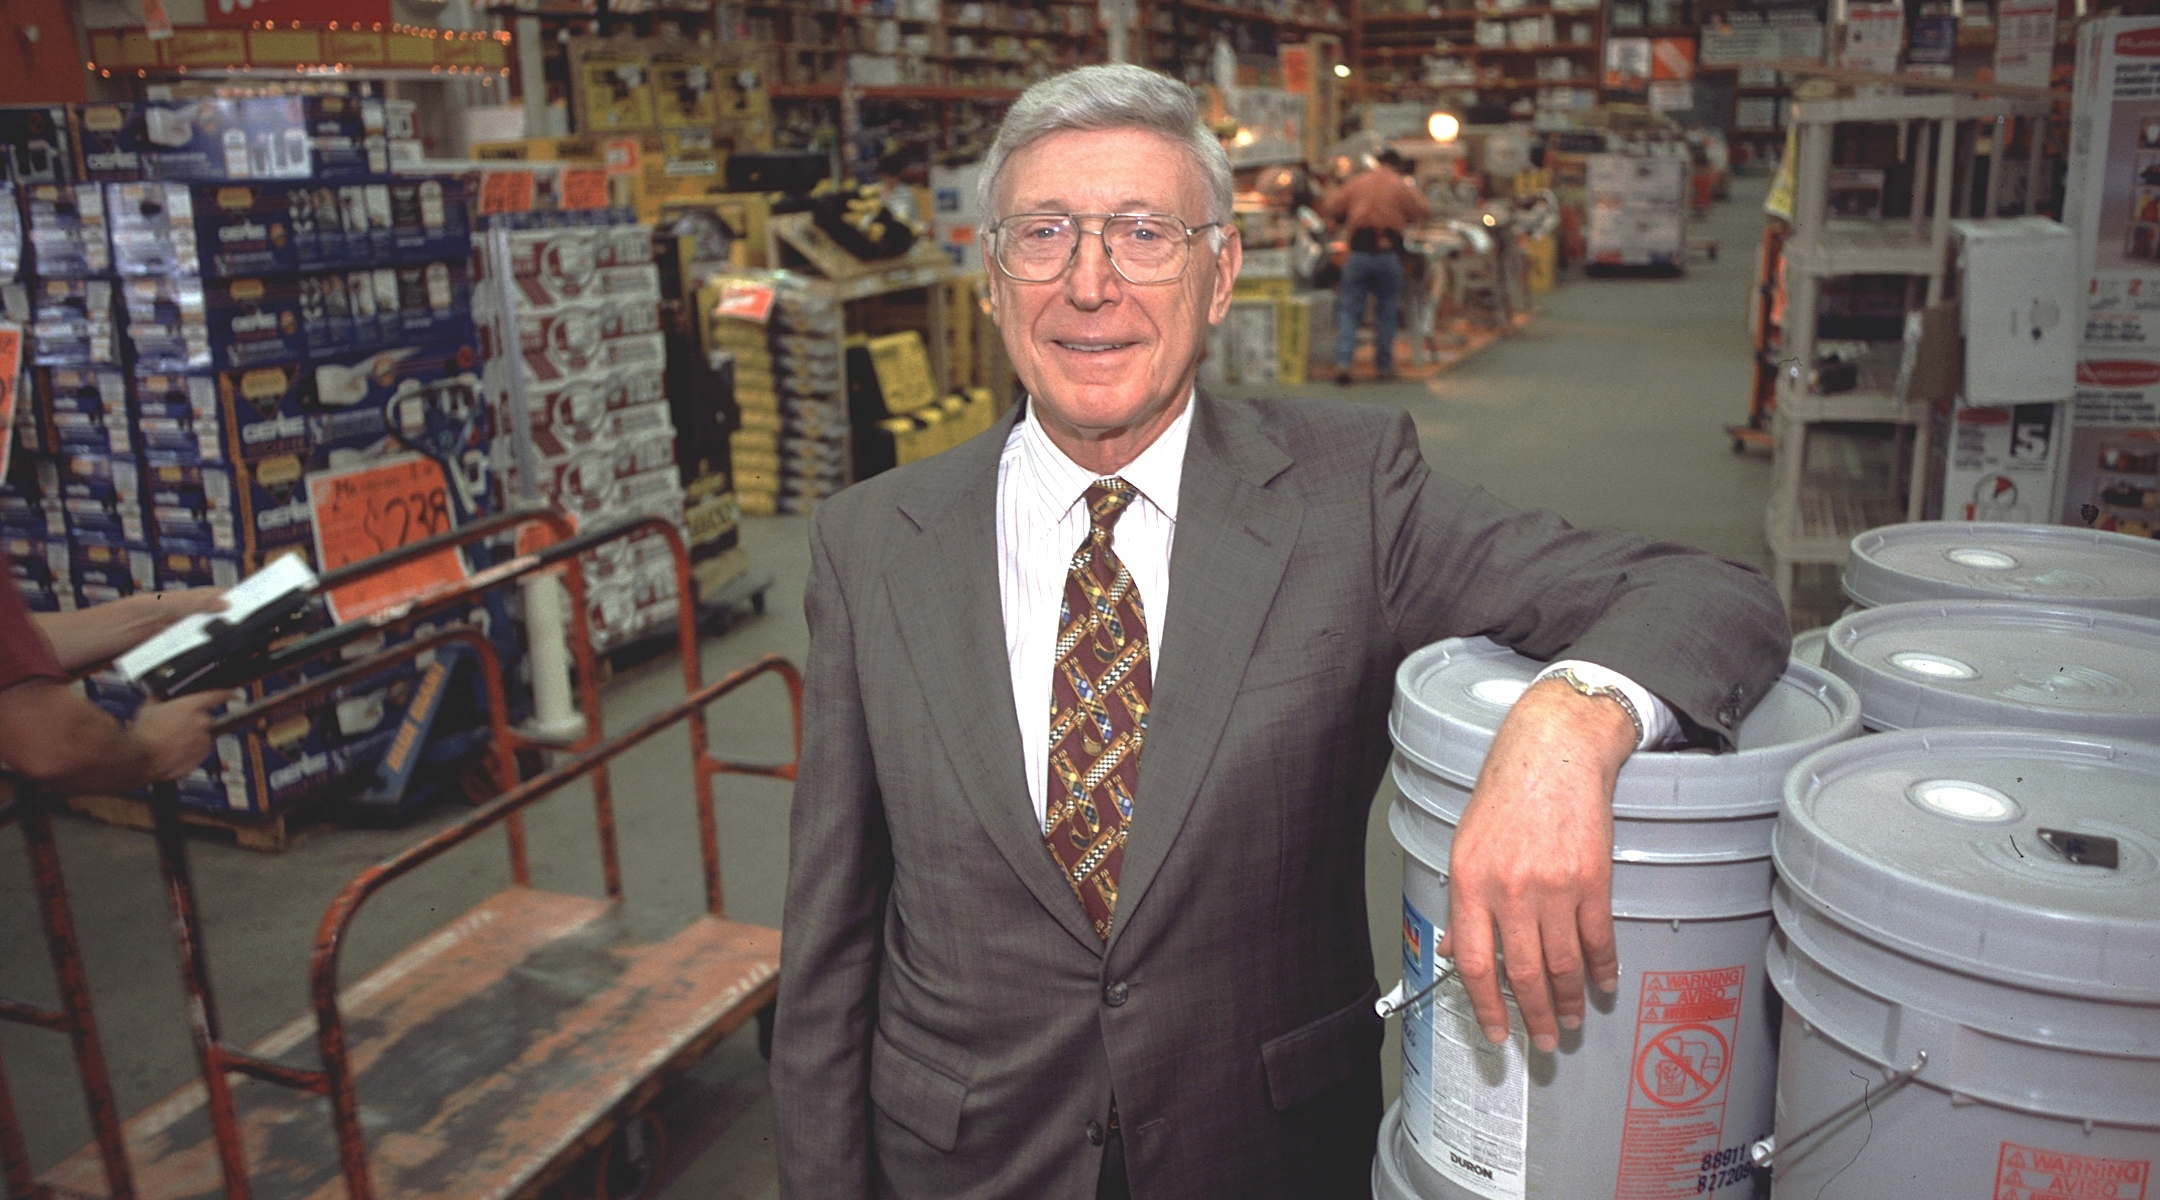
x,y
1532,862
89,636
176,733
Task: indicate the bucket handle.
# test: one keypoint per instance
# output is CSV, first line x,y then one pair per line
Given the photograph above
x,y
1764,1153
1395,1002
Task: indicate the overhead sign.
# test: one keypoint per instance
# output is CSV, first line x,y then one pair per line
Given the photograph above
x,y
244,13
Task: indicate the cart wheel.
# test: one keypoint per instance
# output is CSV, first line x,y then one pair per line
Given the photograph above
x,y
764,1029
628,1165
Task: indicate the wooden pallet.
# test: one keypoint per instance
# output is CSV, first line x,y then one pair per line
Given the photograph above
x,y
250,831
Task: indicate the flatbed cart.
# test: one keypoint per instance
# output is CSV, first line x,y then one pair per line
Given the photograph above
x,y
493,1057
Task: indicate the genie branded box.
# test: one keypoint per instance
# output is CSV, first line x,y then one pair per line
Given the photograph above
x,y
177,418
34,145
255,320
168,322
217,139
66,229
105,573
153,228
73,322
191,509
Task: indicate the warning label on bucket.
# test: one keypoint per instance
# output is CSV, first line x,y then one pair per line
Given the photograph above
x,y
2030,1173
1684,1029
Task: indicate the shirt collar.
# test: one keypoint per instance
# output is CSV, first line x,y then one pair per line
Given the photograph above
x,y
1157,473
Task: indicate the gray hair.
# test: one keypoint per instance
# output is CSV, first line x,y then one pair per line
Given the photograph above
x,y
1115,96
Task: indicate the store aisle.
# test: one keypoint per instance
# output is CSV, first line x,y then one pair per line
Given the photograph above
x,y
1608,408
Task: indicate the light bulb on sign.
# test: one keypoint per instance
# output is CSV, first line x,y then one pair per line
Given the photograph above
x,y
1444,127
1342,70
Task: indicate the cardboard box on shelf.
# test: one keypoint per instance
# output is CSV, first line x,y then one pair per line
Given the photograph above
x,y
1996,462
228,138
66,230
2112,472
2111,195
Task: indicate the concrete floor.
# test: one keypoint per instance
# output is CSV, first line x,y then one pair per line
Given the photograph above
x,y
1608,408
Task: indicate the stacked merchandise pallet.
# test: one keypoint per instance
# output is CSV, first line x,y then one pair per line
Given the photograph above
x,y
792,448
582,335
231,299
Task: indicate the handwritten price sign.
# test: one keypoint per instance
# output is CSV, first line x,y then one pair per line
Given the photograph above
x,y
364,511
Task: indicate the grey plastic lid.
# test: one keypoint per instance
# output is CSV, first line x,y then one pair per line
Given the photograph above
x,y
2001,662
1929,840
1808,647
1451,696
1972,560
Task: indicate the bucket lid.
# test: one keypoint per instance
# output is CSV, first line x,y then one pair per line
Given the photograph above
x,y
1973,560
1985,849
1451,696
1808,647
2001,662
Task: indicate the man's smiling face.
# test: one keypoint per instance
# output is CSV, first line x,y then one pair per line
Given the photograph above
x,y
1109,363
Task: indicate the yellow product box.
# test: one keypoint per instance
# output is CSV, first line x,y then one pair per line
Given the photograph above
x,y
610,86
1261,289
1293,321
683,85
1542,259
903,371
761,503
762,420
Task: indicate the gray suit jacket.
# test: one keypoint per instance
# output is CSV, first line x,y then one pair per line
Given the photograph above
x,y
948,1024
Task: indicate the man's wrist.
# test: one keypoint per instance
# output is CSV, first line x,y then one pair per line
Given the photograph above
x,y
1652,721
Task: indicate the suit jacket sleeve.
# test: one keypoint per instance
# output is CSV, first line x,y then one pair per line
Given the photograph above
x,y
839,875
1705,635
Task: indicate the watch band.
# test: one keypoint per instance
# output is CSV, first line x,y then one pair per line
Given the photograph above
x,y
1583,686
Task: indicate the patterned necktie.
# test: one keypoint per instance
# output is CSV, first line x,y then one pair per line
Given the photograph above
x,y
1099,694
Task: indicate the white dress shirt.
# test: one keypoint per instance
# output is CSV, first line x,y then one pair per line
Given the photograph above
x,y
1041,523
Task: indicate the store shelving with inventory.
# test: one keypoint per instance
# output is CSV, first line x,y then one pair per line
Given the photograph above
x,y
1390,51
1177,37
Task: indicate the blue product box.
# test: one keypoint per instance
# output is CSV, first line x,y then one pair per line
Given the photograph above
x,y
371,296
46,599
34,144
434,302
104,573
111,691
247,228
191,509
30,499
254,321
92,433
73,323
426,387
428,219
178,571
318,227
326,312
114,522
153,228
66,230
177,418
216,139
168,322
41,562
264,412
91,391
271,499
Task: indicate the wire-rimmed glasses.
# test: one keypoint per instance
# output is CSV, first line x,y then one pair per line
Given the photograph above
x,y
1145,248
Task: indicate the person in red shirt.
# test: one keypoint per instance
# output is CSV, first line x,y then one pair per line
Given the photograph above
x,y
51,733
1375,206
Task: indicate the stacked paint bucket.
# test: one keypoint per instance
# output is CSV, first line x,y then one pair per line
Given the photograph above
x,y
1967,904
1669,1081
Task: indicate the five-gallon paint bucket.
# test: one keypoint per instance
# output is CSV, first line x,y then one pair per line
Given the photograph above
x,y
1968,947
1977,560
1668,1080
1807,647
2001,662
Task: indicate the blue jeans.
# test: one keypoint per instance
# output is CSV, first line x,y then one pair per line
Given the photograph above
x,y
1380,276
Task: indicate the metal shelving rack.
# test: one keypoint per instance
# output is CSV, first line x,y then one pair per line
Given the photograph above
x,y
1813,514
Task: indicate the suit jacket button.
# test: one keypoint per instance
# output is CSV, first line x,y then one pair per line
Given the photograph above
x,y
1094,1131
1115,994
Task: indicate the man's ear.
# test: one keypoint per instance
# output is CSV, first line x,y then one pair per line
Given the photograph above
x,y
990,278
1229,258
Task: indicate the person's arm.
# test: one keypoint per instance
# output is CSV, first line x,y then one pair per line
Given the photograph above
x,y
840,874
89,636
51,733
1530,871
1415,207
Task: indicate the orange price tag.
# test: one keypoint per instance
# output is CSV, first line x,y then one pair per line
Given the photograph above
x,y
368,510
584,187
745,301
10,375
506,192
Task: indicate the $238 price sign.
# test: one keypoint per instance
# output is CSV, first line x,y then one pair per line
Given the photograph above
x,y
373,509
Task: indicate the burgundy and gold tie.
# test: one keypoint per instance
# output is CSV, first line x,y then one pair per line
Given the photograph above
x,y
1099,693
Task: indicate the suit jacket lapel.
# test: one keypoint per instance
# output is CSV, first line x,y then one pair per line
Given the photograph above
x,y
945,592
1233,540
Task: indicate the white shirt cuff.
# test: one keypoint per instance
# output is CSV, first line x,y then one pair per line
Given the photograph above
x,y
1659,724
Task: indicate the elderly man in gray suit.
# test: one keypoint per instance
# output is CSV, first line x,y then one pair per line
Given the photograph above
x,y
1096,712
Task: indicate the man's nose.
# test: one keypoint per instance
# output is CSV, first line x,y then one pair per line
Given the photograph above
x,y
1092,281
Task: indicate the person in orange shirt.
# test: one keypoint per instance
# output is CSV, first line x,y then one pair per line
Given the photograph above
x,y
1375,206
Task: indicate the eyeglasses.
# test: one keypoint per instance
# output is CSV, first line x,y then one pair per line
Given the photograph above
x,y
1144,247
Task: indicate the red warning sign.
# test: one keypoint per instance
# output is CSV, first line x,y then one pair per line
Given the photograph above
x,y
1684,1029
2030,1173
